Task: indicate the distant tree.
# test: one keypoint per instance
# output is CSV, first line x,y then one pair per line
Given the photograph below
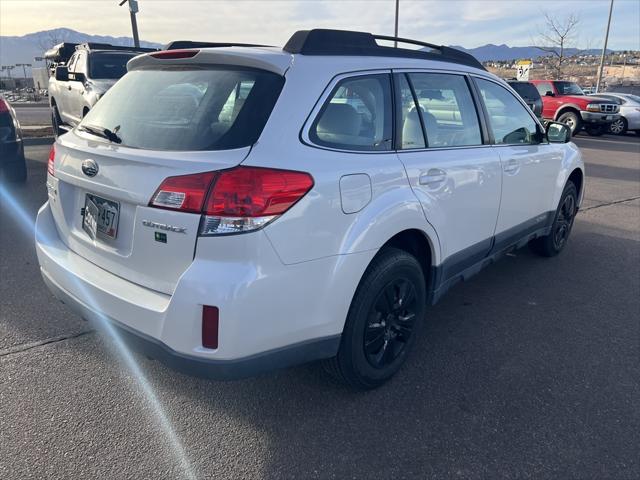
x,y
554,37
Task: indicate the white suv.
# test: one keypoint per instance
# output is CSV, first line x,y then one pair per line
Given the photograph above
x,y
243,208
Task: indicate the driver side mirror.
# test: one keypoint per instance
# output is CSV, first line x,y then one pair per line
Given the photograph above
x,y
558,133
62,74
78,77
549,93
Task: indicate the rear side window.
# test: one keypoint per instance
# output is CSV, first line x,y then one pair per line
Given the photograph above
x,y
543,88
108,65
448,113
357,115
188,108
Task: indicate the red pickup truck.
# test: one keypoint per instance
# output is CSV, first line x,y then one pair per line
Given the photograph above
x,y
565,102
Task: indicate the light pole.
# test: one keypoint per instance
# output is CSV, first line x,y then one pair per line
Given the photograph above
x,y
395,42
133,9
604,49
24,69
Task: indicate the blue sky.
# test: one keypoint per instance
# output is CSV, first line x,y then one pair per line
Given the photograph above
x,y
468,23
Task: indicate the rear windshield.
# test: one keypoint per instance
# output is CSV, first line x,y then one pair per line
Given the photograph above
x,y
109,65
525,90
188,108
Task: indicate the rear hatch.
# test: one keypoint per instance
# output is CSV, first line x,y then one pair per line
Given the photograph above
x,y
153,124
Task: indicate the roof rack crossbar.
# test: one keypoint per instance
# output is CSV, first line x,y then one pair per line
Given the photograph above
x,y
344,42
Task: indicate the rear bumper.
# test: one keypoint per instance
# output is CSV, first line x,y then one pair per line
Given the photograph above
x,y
198,366
271,315
601,118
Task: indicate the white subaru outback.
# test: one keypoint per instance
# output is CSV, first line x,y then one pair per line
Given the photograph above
x,y
235,209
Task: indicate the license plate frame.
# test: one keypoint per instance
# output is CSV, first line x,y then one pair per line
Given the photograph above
x,y
100,217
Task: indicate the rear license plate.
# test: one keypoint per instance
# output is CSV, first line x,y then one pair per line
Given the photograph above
x,y
100,216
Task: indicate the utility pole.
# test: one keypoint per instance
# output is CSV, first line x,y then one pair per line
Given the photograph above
x,y
604,49
24,70
133,9
395,42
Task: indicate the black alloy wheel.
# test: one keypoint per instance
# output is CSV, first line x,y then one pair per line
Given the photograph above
x,y
390,323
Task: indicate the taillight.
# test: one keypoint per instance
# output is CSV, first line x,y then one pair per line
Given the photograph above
x,y
185,193
4,106
247,198
238,200
51,165
174,54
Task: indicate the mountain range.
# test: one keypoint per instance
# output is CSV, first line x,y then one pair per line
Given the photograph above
x,y
24,49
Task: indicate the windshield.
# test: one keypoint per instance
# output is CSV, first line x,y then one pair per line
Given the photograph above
x,y
109,65
568,88
188,108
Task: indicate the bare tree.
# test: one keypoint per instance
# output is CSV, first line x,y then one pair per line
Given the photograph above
x,y
555,36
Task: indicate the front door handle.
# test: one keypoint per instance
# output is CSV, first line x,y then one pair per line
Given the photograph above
x,y
512,166
433,178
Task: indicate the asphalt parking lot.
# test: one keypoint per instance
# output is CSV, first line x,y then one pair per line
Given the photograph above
x,y
530,370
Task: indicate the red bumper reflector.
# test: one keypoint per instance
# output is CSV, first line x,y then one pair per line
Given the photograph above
x,y
210,326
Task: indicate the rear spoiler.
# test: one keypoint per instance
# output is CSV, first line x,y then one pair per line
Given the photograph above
x,y
182,44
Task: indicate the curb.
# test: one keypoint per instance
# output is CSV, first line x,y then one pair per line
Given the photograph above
x,y
30,142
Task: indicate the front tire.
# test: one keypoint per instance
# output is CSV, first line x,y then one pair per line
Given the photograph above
x,y
552,244
56,121
619,127
383,321
571,120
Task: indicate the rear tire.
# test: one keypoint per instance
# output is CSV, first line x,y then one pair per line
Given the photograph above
x,y
383,321
619,127
571,120
552,244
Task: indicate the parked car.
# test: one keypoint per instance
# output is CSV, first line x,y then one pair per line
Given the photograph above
x,y
231,222
529,94
565,102
82,76
12,158
629,112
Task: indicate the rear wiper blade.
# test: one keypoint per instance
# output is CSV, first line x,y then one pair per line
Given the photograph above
x,y
101,132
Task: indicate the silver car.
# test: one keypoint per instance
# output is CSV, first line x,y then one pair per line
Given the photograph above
x,y
629,112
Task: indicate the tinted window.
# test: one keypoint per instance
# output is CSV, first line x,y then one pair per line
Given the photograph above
x,y
357,115
109,65
448,112
525,90
510,121
188,109
543,88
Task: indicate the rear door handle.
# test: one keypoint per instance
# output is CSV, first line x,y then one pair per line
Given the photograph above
x,y
433,178
512,166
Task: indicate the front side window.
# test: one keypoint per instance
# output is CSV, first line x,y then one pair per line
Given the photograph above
x,y
568,88
357,115
509,119
188,108
448,113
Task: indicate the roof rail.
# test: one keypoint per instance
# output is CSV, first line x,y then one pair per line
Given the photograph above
x,y
108,46
344,42
180,44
